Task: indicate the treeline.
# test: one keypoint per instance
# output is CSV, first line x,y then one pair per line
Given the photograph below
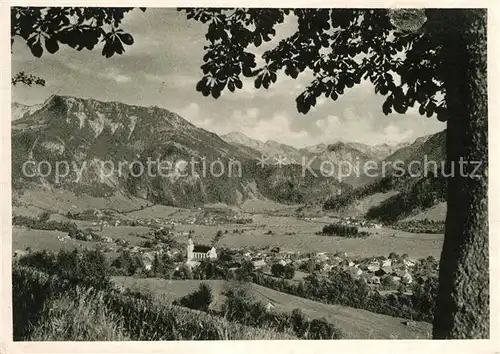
x,y
421,226
240,307
340,202
337,229
415,193
43,223
422,195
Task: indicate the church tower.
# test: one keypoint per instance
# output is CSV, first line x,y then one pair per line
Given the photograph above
x,y
190,249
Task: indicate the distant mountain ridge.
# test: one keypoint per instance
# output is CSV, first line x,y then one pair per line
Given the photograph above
x,y
378,151
338,153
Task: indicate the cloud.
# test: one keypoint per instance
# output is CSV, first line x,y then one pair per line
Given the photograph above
x,y
277,128
110,73
116,75
357,130
191,112
172,80
396,134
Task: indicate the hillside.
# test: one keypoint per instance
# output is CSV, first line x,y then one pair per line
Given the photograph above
x,y
94,137
355,323
400,194
19,110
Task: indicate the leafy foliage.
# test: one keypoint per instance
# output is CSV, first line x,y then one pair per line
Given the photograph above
x,y
79,267
47,28
77,27
341,47
128,262
27,79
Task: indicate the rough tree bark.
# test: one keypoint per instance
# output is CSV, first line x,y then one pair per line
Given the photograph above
x,y
463,299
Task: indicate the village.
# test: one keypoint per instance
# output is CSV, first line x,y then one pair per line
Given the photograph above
x,y
391,273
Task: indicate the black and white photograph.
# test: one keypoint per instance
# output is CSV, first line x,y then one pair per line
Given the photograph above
x,y
228,173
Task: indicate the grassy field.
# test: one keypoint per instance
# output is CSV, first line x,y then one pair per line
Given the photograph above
x,y
355,323
261,206
39,240
437,212
62,201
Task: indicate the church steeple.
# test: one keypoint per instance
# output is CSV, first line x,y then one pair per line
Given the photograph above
x,y
190,248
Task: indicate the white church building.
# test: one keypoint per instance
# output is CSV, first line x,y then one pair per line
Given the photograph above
x,y
199,252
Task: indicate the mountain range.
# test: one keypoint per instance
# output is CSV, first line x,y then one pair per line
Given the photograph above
x,y
339,154
100,135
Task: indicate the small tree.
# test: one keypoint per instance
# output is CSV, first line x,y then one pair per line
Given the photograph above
x,y
278,270
199,299
300,324
244,273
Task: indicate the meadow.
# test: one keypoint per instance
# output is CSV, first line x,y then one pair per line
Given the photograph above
x,y
297,235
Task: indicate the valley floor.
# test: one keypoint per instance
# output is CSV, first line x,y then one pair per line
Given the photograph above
x,y
288,233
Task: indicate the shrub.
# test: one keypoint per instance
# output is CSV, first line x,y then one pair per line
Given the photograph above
x,y
128,262
289,271
78,266
199,299
421,226
342,289
278,270
337,229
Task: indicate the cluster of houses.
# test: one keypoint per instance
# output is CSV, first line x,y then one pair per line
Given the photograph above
x,y
359,223
201,218
217,218
370,270
373,271
349,221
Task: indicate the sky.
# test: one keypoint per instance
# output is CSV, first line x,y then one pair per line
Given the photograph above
x,y
162,68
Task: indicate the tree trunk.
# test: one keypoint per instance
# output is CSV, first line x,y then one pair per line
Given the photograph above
x,y
463,300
